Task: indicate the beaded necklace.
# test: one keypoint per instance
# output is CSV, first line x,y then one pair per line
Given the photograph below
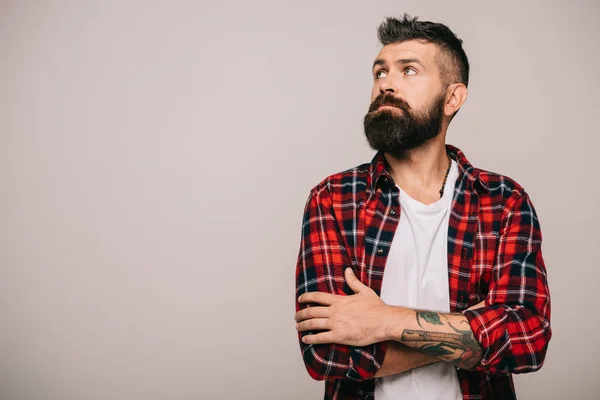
x,y
445,177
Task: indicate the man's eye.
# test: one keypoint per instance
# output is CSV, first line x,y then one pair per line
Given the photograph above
x,y
378,74
409,69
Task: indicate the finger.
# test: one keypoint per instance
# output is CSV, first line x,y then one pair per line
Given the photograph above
x,y
313,324
312,312
353,282
317,297
318,338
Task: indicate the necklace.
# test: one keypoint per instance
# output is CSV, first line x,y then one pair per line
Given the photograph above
x,y
445,177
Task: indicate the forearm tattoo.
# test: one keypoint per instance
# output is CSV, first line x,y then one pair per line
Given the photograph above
x,y
460,348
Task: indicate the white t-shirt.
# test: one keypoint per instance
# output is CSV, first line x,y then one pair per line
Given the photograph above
x,y
416,276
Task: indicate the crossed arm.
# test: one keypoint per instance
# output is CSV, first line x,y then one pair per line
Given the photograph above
x,y
401,357
509,333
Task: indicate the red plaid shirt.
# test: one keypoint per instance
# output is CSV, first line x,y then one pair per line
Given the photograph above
x,y
494,253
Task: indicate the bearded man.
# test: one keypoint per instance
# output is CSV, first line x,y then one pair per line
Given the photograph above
x,y
420,276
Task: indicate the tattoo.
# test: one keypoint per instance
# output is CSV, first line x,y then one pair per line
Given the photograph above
x,y
429,316
460,349
436,350
461,339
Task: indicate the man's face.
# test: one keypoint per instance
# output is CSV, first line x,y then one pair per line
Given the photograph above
x,y
408,97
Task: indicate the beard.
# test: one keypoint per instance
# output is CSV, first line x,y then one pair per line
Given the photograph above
x,y
396,133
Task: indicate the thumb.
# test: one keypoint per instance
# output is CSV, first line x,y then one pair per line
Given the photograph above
x,y
353,282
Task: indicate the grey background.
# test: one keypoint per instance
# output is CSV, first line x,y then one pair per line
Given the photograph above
x,y
155,158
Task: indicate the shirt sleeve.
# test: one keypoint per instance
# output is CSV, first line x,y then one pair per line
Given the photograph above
x,y
514,326
320,265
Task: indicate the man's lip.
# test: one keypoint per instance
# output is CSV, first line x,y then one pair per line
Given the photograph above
x,y
387,106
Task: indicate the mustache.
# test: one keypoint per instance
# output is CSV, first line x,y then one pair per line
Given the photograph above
x,y
388,100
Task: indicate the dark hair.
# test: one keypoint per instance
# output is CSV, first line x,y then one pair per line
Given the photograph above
x,y
394,30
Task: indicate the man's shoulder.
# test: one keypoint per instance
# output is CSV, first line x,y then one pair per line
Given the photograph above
x,y
491,185
500,188
349,181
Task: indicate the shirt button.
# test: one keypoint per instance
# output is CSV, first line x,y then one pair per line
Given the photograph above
x,y
393,212
379,252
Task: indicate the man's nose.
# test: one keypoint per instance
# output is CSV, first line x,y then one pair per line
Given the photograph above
x,y
386,86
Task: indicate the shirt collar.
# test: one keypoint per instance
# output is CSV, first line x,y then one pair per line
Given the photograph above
x,y
379,169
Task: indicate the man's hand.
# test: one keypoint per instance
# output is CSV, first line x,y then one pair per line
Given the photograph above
x,y
354,320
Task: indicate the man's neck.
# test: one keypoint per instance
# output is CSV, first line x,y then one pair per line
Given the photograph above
x,y
420,172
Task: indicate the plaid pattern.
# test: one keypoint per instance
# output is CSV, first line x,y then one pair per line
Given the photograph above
x,y
494,253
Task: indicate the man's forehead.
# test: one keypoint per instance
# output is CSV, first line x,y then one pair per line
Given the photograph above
x,y
425,51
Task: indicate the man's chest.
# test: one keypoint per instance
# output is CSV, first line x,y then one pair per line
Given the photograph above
x,y
370,228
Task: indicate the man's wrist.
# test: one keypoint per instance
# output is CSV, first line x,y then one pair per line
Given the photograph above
x,y
393,322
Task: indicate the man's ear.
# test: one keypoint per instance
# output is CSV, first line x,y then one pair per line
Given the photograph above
x,y
457,94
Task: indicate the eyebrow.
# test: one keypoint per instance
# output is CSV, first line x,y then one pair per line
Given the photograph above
x,y
401,61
